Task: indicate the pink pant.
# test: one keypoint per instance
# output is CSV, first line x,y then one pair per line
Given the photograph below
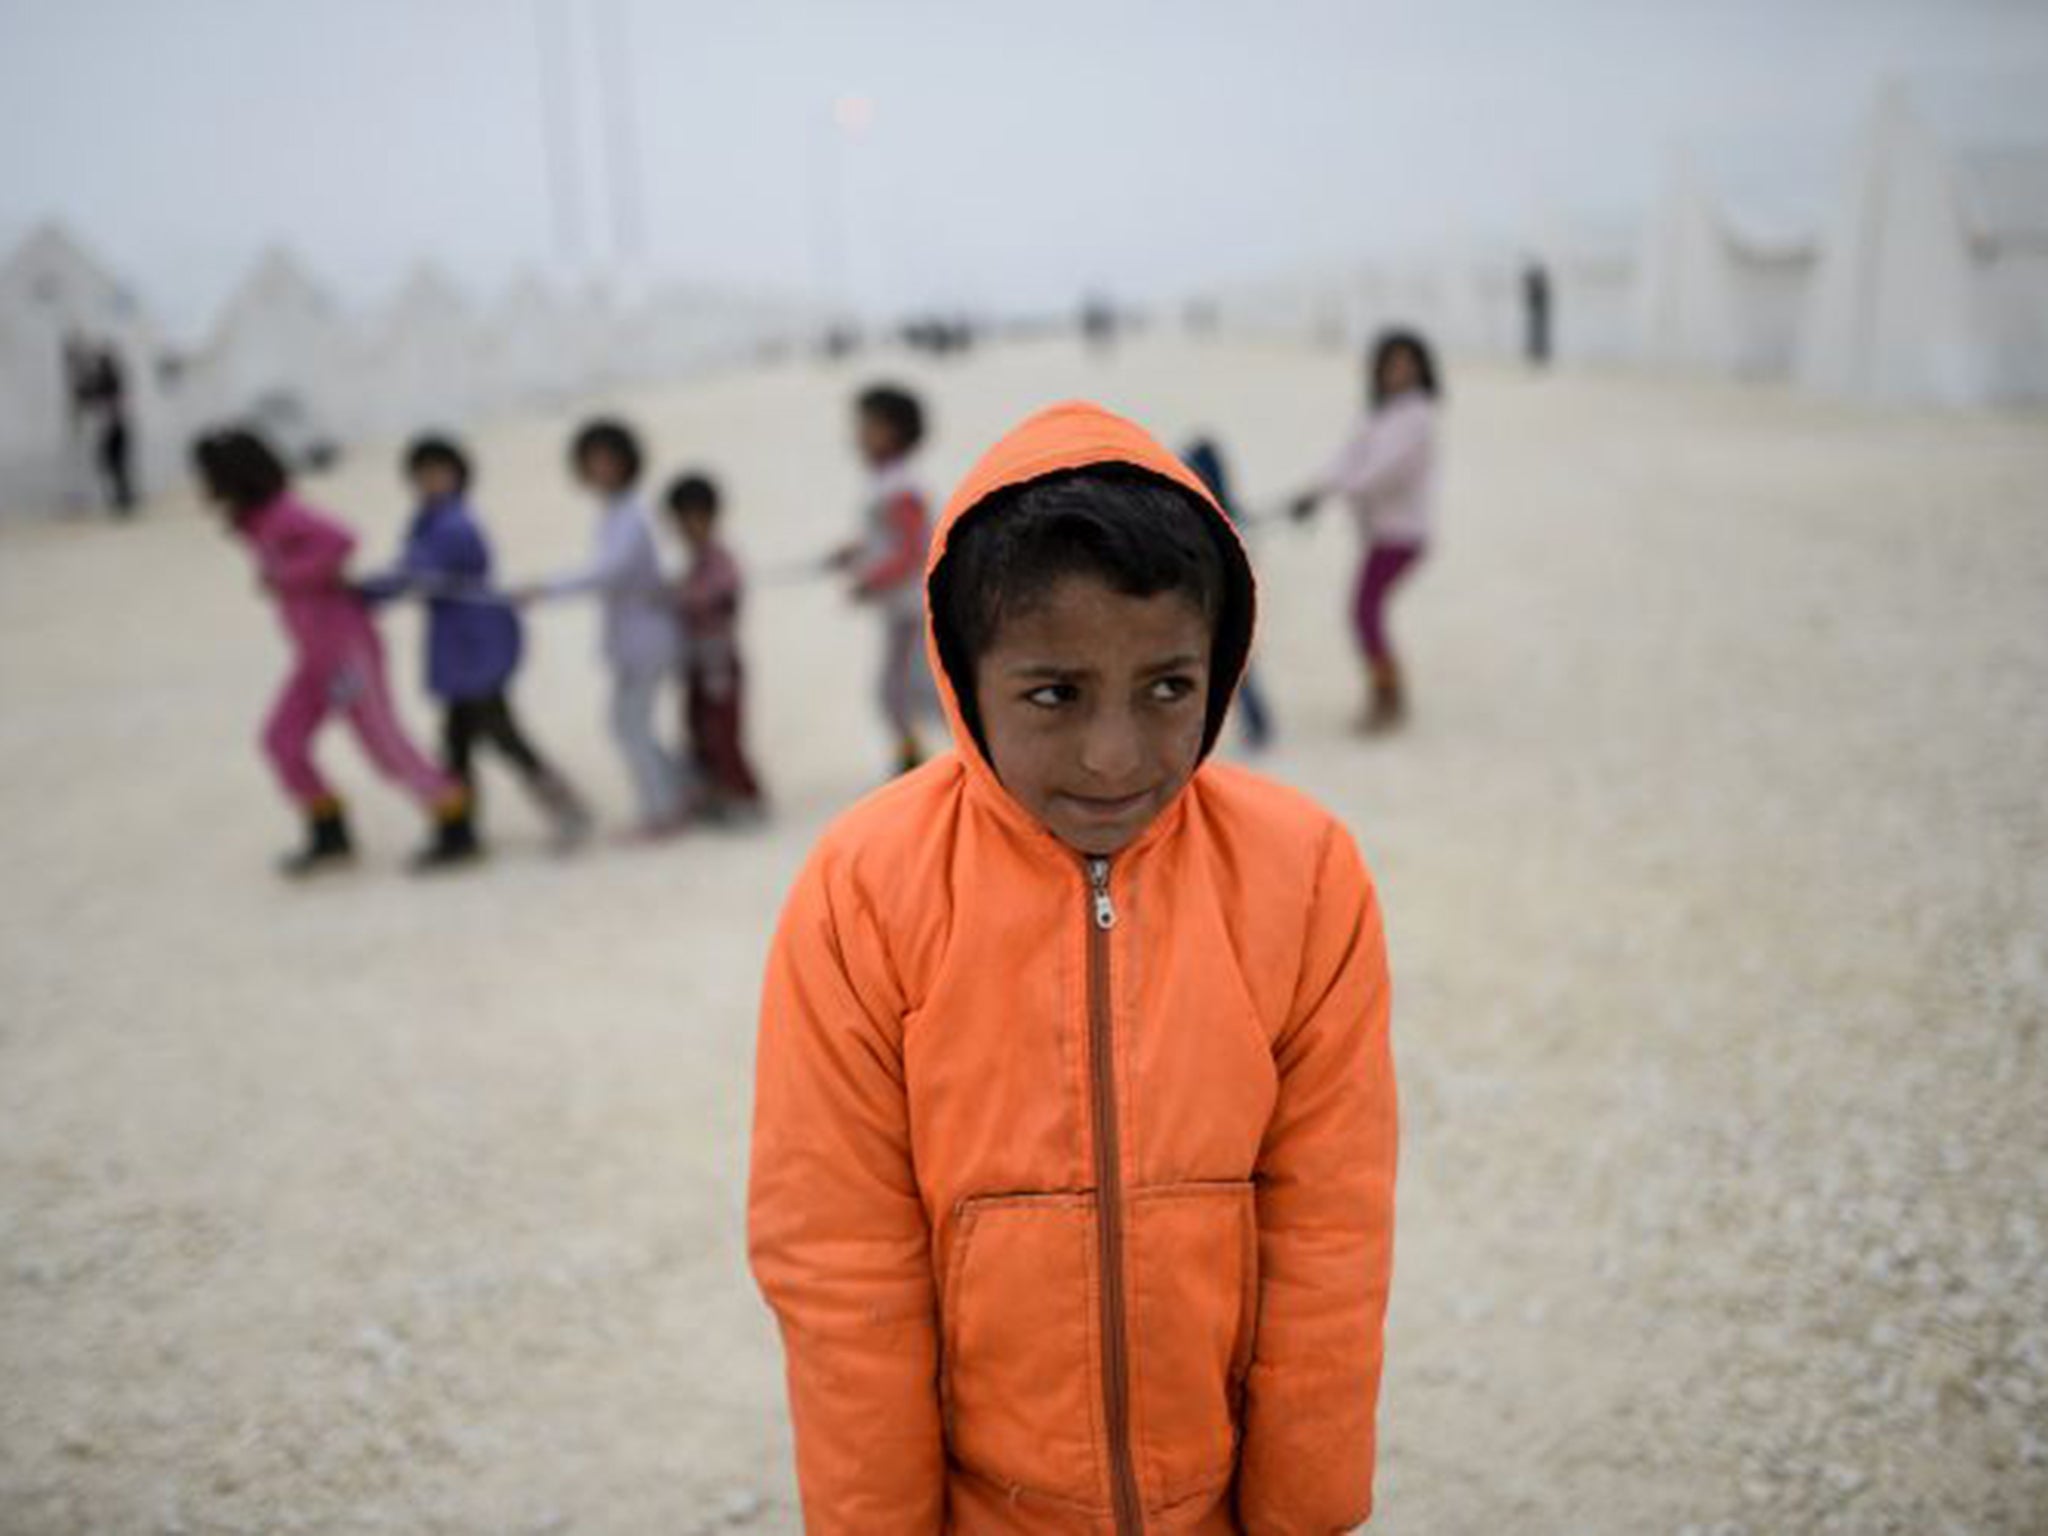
x,y
353,686
1385,565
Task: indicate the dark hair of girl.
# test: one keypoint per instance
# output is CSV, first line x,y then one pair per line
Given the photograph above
x,y
1384,346
239,469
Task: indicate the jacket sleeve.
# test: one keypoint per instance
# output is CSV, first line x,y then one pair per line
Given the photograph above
x,y
903,556
623,546
1326,1225
412,572
836,1229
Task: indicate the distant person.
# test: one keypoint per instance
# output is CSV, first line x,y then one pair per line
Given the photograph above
x,y
473,636
1098,324
1536,314
1387,471
338,662
1206,460
1072,1179
642,638
98,390
714,682
886,563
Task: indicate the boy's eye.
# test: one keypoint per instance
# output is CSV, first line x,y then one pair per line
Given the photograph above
x,y
1170,690
1052,695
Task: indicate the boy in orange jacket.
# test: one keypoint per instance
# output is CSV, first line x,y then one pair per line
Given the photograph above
x,y
1074,1128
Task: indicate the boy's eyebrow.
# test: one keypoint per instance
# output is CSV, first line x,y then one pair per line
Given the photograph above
x,y
1050,669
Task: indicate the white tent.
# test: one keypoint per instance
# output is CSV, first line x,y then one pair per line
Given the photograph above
x,y
1723,277
279,334
1591,264
1934,285
420,362
1474,298
536,347
51,288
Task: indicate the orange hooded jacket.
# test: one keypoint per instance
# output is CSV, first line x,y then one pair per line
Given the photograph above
x,y
1072,1180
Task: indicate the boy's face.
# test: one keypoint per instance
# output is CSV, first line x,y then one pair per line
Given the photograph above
x,y
435,481
599,470
1093,705
694,523
875,438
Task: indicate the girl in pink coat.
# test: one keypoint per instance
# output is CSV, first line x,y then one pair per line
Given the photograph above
x,y
338,665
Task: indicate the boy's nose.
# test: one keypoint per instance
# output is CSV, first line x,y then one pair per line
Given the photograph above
x,y
1110,748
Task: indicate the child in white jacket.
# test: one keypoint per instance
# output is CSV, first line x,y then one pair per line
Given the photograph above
x,y
642,639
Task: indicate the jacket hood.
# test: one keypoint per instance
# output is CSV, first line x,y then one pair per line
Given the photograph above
x,y
1074,435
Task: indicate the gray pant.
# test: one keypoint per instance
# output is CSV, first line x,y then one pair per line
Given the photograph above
x,y
657,776
905,688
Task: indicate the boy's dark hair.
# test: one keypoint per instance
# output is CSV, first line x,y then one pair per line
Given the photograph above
x,y
445,451
897,409
1384,346
693,493
239,468
1134,530
607,434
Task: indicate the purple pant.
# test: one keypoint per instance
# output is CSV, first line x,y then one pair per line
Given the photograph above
x,y
352,686
1385,565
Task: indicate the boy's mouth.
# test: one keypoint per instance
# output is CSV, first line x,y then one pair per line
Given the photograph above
x,y
1107,807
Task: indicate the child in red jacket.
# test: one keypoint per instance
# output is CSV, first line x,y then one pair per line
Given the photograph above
x,y
714,683
886,563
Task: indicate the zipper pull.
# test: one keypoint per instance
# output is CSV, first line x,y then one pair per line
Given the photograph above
x,y
1098,881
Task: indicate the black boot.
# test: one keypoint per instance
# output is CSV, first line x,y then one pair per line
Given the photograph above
x,y
327,845
454,842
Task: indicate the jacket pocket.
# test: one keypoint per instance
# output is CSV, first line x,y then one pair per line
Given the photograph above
x,y
1017,1373
1191,1262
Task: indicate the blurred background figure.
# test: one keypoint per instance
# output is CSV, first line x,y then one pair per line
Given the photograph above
x,y
1387,471
642,637
99,418
473,634
714,680
338,660
1536,314
1255,717
1099,323
885,564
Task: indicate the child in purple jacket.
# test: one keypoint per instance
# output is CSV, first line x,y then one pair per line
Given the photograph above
x,y
473,636
338,666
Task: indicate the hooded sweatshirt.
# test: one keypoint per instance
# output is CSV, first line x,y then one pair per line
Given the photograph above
x,y
1072,1182
301,555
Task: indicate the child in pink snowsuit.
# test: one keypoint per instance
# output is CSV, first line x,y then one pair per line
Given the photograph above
x,y
338,665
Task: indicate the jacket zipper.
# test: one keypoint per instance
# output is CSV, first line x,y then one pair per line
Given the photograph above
x,y
1109,1223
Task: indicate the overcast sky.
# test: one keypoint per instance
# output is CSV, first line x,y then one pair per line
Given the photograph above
x,y
1015,155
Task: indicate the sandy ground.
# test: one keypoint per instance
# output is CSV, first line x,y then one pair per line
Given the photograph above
x,y
1716,867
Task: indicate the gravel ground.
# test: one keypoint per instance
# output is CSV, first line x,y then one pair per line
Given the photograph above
x,y
1716,866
